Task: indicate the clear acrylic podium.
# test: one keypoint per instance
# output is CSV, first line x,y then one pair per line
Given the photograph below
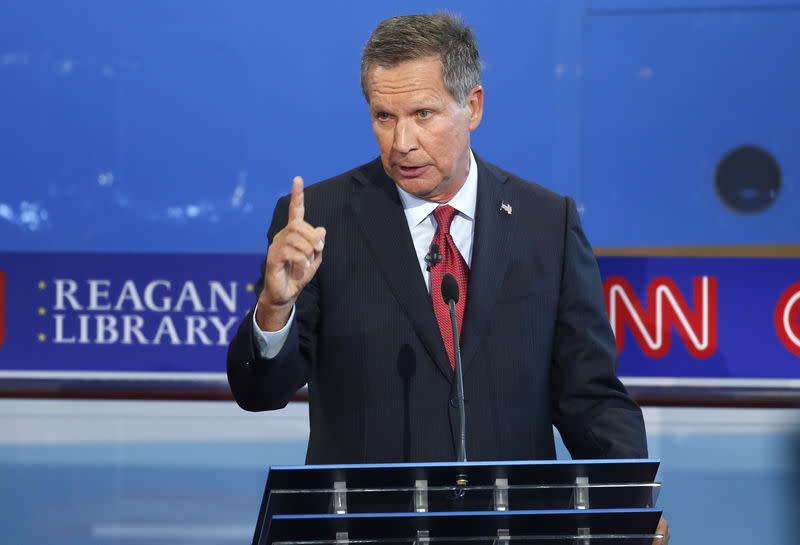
x,y
583,502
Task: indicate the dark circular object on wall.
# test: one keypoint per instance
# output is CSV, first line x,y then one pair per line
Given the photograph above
x,y
748,180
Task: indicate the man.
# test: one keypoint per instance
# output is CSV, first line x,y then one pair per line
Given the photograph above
x,y
350,284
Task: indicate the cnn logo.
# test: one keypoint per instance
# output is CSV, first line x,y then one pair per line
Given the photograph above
x,y
666,308
787,319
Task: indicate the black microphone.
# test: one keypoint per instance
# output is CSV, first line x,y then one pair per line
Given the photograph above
x,y
450,296
450,290
434,257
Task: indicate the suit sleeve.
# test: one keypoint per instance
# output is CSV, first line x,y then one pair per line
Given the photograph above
x,y
591,408
260,384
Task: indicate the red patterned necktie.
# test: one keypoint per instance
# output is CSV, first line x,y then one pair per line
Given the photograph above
x,y
451,262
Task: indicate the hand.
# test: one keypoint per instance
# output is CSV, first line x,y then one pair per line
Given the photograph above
x,y
663,528
292,260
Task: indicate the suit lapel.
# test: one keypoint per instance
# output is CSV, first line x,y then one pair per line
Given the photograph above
x,y
490,255
377,209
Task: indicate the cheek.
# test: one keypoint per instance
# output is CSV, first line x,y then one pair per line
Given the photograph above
x,y
447,145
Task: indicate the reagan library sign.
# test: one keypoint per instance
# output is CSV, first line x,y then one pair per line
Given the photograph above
x,y
90,313
102,312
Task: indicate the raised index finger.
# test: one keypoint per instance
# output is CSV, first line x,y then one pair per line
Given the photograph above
x,y
297,207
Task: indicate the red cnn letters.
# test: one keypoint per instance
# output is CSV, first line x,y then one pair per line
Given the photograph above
x,y
665,306
787,325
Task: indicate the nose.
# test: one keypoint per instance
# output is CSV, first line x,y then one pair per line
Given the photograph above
x,y
405,136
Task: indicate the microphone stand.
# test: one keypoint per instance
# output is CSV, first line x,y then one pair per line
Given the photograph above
x,y
462,419
450,296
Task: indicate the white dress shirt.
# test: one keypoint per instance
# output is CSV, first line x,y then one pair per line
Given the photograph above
x,y
422,225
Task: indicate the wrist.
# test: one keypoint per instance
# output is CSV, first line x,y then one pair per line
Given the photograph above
x,y
270,316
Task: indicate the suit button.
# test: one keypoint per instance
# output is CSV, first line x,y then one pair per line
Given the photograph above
x,y
454,401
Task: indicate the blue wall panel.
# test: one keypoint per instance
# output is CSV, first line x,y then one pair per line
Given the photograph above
x,y
175,126
666,96
144,128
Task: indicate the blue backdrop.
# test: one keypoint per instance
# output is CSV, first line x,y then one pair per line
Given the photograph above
x,y
130,130
173,126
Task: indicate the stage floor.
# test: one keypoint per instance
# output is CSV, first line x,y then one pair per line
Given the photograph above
x,y
103,473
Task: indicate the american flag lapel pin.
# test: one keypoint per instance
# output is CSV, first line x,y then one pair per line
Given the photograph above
x,y
505,207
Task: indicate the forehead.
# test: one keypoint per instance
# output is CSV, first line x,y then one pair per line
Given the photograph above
x,y
417,78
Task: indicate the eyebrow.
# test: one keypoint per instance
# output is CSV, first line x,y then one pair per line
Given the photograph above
x,y
429,104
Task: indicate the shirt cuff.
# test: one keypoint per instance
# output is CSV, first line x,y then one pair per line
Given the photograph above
x,y
270,343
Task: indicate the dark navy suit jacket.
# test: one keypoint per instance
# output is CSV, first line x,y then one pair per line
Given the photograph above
x,y
537,347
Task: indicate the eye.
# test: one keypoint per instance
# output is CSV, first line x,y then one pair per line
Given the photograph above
x,y
424,114
382,116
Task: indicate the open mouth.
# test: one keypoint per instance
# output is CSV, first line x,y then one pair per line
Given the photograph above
x,y
411,171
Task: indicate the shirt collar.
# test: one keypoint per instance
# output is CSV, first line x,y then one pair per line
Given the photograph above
x,y
417,209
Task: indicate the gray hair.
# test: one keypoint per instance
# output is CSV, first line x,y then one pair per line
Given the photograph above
x,y
412,37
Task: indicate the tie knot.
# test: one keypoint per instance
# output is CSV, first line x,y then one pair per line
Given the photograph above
x,y
444,217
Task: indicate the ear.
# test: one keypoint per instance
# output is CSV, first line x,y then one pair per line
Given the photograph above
x,y
475,105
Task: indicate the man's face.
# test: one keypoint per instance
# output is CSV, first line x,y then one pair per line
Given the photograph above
x,y
422,131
